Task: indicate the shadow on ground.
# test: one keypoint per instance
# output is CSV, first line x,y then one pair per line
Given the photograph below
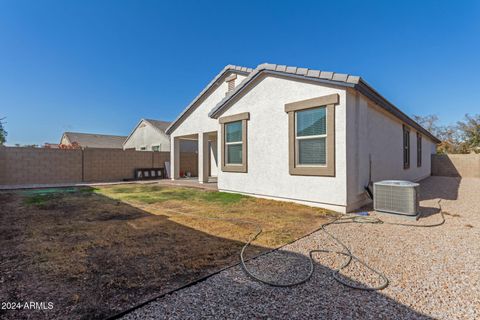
x,y
94,261
234,295
448,191
93,256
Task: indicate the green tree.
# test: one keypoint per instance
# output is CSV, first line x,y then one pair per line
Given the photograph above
x,y
470,132
429,122
3,132
451,141
449,135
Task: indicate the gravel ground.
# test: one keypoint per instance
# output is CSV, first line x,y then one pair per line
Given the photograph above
x,y
433,272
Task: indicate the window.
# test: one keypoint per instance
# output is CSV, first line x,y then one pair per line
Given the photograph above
x,y
234,142
312,136
406,147
156,148
419,149
143,148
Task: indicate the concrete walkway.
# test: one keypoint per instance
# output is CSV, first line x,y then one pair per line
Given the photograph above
x,y
191,183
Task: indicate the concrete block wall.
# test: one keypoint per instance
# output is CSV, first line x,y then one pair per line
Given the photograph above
x,y
38,166
113,164
189,162
22,166
456,165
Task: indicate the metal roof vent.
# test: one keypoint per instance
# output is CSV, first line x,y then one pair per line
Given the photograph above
x,y
396,196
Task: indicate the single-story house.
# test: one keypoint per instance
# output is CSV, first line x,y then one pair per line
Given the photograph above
x,y
149,135
302,135
91,140
48,145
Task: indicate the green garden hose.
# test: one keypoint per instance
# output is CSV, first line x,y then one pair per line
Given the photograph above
x,y
335,273
349,218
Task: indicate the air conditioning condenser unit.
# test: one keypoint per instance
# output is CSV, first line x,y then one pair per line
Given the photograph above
x,y
396,196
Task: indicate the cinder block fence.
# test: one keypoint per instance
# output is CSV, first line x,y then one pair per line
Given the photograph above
x,y
456,165
19,166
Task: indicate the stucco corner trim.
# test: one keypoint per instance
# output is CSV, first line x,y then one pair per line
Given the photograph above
x,y
242,168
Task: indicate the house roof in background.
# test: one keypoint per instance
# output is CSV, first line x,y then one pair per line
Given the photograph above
x,y
326,77
159,125
228,69
92,140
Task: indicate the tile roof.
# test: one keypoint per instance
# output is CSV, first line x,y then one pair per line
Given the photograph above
x,y
92,140
341,79
159,124
327,77
323,76
191,106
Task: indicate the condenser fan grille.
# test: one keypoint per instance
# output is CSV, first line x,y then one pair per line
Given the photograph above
x,y
394,196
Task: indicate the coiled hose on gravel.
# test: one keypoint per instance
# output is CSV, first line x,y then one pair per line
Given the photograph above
x,y
350,256
349,218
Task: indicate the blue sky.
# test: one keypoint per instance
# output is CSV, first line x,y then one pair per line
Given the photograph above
x,y
100,66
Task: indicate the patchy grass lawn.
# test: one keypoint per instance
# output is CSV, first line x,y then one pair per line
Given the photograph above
x,y
97,251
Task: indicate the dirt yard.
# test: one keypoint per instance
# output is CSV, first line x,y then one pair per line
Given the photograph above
x,y
433,272
93,252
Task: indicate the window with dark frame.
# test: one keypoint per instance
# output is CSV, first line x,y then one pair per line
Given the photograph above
x,y
406,147
419,149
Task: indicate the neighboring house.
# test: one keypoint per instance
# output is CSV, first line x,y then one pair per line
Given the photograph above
x,y
90,140
48,145
149,135
300,135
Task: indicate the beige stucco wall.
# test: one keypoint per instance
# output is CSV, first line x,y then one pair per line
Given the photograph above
x,y
373,131
214,164
267,134
147,136
361,130
198,122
